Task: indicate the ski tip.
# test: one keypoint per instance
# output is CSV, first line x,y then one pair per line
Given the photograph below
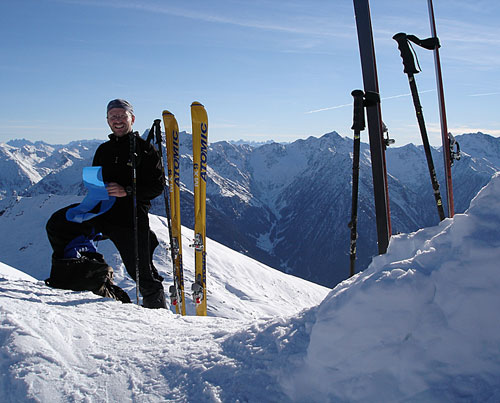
x,y
167,113
196,103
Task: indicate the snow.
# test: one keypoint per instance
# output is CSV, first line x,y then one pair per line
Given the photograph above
x,y
420,324
9,273
230,294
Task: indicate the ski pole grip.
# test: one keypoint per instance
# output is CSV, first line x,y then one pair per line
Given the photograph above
x,y
358,115
157,129
406,53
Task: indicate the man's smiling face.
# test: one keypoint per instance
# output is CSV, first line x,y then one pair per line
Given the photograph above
x,y
120,121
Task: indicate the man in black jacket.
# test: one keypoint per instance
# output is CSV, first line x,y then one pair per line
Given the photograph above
x,y
114,156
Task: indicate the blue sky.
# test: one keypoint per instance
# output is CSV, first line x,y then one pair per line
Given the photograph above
x,y
264,69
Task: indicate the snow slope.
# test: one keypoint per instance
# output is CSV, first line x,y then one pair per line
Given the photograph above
x,y
237,285
9,273
419,325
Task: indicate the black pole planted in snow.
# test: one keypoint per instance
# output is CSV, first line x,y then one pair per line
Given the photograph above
x,y
175,295
133,157
358,126
410,69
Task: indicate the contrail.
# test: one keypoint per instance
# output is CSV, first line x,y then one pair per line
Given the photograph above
x,y
485,94
383,99
329,108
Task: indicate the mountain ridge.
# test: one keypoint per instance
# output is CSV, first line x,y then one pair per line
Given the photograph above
x,y
275,201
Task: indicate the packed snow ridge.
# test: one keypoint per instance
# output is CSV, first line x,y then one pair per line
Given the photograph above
x,y
418,325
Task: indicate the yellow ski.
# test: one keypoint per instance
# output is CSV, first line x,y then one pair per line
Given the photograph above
x,y
172,140
199,121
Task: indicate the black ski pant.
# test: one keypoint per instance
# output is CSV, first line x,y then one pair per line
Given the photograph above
x,y
60,232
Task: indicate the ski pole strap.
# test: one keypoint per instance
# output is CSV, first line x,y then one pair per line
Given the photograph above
x,y
428,43
372,98
408,53
97,200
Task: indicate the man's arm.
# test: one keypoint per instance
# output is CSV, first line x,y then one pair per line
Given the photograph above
x,y
113,188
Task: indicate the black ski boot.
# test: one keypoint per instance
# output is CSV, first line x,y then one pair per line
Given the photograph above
x,y
154,300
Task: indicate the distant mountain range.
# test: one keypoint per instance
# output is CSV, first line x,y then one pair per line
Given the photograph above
x,y
286,205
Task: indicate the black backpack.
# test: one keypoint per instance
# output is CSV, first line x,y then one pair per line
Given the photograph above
x,y
89,272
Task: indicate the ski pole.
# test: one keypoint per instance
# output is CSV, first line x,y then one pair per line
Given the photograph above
x,y
156,129
410,69
175,296
159,144
358,126
133,156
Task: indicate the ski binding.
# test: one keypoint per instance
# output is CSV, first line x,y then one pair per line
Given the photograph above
x,y
198,243
197,289
174,295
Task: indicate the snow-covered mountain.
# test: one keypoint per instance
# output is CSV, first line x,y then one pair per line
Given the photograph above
x,y
256,290
418,325
277,202
38,168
